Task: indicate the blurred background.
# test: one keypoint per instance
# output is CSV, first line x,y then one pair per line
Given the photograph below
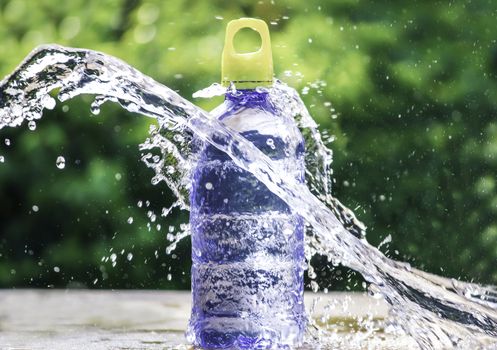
x,y
408,89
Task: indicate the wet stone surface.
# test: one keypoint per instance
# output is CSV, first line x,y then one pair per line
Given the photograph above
x,y
81,319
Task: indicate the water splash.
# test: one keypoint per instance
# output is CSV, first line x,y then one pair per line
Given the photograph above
x,y
435,311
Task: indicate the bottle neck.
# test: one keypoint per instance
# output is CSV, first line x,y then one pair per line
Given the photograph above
x,y
248,97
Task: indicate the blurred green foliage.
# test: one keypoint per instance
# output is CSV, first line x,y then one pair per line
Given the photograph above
x,y
413,93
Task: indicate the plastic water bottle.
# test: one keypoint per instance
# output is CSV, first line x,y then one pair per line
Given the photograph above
x,y
247,245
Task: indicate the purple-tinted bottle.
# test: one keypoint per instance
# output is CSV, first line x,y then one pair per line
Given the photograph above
x,y
247,245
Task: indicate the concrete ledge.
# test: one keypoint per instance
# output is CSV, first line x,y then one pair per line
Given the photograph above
x,y
94,319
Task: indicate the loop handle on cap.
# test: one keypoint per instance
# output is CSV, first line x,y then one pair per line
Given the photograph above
x,y
247,70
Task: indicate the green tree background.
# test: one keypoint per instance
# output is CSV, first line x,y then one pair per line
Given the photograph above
x,y
413,93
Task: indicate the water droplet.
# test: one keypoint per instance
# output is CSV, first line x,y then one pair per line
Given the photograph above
x,y
155,180
139,204
64,96
178,138
7,142
169,277
118,176
261,89
35,208
95,108
32,125
374,291
288,232
48,102
311,273
2,159
60,162
270,143
209,186
130,220
129,256
56,269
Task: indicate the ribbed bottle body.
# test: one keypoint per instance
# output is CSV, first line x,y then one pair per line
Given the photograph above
x,y
247,245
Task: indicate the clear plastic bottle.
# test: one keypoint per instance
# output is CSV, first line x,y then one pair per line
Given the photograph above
x,y
247,245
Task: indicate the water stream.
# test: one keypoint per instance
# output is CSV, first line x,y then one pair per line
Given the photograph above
x,y
435,311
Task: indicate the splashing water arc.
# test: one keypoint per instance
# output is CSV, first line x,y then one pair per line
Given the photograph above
x,y
435,311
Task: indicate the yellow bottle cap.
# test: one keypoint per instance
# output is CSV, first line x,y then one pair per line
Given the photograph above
x,y
247,70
